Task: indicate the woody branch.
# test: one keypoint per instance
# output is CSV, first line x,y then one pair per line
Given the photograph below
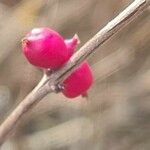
x,y
49,83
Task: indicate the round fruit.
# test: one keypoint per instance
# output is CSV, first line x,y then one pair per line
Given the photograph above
x,y
78,82
45,48
72,43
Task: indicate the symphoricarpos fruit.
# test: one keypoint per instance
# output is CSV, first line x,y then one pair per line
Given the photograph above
x,y
45,48
72,43
78,82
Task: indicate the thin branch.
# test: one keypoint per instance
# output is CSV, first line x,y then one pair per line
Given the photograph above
x,y
47,84
130,13
36,95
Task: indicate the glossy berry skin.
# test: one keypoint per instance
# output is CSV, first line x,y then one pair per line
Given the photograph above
x,y
45,48
78,82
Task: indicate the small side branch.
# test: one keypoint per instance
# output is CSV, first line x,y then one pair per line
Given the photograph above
x,y
47,83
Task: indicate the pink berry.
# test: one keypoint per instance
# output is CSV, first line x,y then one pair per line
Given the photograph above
x,y
78,82
72,43
45,48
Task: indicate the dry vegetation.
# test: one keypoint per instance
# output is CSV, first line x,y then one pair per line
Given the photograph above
x,y
116,114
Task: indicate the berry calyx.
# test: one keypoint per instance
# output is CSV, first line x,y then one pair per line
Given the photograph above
x,y
45,48
78,82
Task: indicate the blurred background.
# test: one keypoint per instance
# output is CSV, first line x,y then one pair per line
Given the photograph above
x,y
116,113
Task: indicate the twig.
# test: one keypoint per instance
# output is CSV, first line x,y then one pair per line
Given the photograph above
x,y
130,13
47,85
37,94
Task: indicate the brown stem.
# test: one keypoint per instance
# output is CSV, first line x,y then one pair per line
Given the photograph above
x,y
47,84
10,123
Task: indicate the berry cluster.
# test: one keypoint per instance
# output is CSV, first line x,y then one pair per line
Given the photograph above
x,y
45,48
